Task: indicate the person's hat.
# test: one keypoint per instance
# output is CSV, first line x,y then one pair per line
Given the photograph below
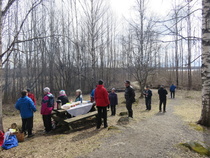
x,y
62,92
47,89
113,89
128,82
28,89
100,82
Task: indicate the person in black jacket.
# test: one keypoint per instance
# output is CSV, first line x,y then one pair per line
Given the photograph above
x,y
162,96
148,98
113,101
129,97
63,98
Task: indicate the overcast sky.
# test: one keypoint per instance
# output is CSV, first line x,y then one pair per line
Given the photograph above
x,y
124,7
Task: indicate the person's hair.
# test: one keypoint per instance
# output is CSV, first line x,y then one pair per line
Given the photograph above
x,y
28,89
147,86
100,82
128,82
79,91
47,89
23,93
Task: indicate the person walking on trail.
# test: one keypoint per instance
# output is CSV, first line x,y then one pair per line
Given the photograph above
x,y
148,97
113,101
172,90
163,97
102,102
27,108
46,109
129,97
31,95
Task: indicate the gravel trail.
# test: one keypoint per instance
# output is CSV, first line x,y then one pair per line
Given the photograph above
x,y
155,137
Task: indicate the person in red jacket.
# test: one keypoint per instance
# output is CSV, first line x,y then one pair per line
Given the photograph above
x,y
102,101
31,95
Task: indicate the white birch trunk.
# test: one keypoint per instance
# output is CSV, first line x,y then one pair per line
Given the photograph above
x,y
205,73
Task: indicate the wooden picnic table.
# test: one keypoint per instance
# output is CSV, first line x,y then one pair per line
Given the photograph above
x,y
61,117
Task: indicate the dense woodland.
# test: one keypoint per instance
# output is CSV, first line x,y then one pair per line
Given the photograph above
x,y
70,44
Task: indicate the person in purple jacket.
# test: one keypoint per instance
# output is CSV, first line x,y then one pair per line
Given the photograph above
x,y
113,101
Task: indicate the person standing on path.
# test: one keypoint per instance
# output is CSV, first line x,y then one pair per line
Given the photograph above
x,y
129,97
27,108
46,109
163,97
102,101
113,101
31,95
172,90
148,98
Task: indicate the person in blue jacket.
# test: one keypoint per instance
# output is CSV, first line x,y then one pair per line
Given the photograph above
x,y
113,101
172,90
27,108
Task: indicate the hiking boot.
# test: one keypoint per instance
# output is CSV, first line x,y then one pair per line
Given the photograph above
x,y
31,135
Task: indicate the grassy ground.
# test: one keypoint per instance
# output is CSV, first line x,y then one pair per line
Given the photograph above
x,y
87,139
189,107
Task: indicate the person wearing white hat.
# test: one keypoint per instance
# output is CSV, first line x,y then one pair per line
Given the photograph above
x,y
63,98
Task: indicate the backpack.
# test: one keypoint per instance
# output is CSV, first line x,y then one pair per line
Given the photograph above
x,y
50,100
133,99
10,142
1,138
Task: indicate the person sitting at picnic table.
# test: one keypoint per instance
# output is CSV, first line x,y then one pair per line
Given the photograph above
x,y
78,96
31,95
27,108
113,101
62,97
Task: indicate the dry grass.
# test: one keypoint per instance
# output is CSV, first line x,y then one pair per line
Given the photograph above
x,y
189,107
75,143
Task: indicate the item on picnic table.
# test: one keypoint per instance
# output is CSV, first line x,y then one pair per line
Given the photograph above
x,y
73,104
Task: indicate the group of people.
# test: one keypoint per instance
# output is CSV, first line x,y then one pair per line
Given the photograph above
x,y
27,104
162,92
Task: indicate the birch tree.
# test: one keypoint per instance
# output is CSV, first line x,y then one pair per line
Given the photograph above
x,y
205,72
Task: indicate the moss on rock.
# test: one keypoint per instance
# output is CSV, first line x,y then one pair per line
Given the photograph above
x,y
197,147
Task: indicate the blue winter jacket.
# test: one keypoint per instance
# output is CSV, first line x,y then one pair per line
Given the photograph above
x,y
172,88
26,107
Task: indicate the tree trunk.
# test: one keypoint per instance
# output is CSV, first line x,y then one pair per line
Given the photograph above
x,y
1,113
205,72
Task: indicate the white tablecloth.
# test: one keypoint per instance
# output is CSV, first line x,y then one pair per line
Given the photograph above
x,y
80,109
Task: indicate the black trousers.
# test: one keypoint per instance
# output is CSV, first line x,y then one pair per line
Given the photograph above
x,y
102,113
47,122
164,105
27,125
148,103
129,108
113,109
172,94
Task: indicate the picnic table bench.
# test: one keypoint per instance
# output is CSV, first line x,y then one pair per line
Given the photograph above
x,y
61,117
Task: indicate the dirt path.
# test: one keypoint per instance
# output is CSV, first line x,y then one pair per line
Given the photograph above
x,y
155,137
